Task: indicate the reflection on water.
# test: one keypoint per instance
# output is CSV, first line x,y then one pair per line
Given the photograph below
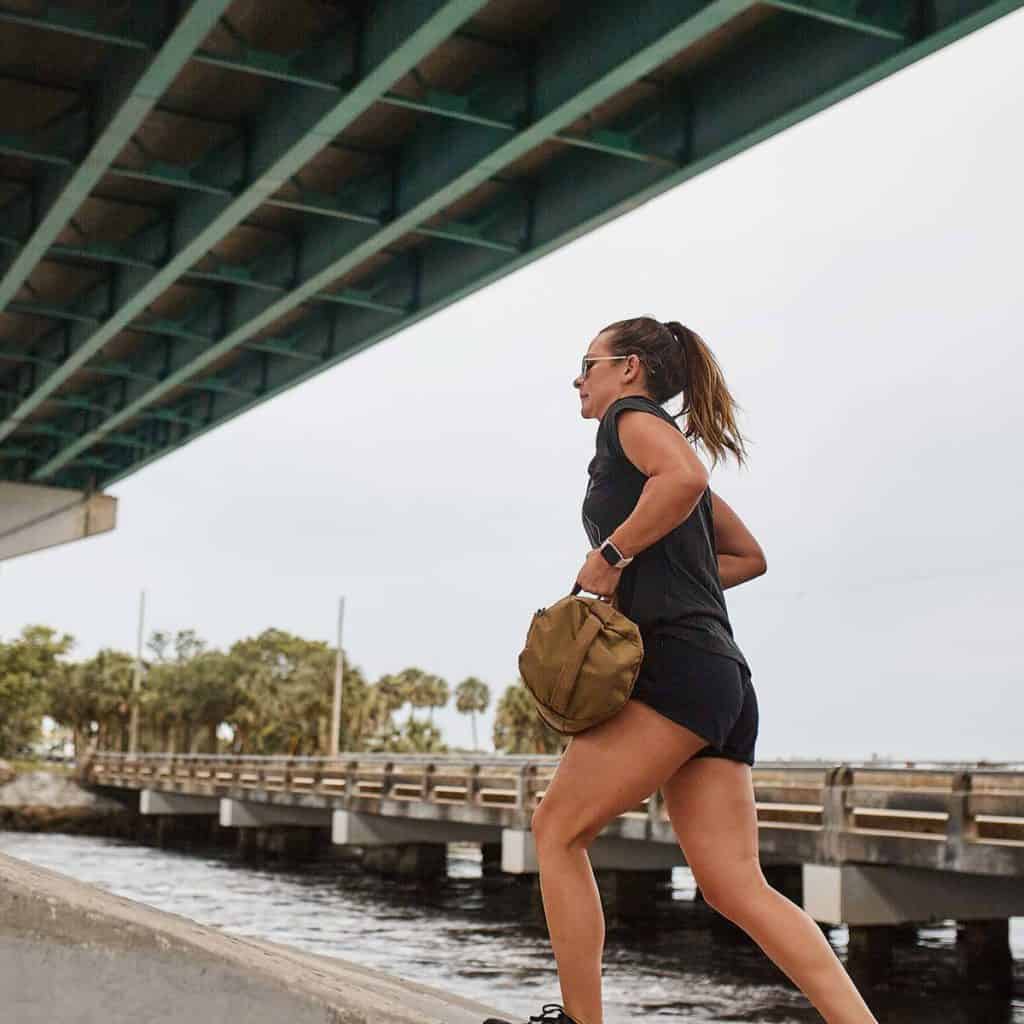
x,y
468,934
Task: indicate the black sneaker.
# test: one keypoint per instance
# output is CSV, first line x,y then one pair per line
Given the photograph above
x,y
551,1013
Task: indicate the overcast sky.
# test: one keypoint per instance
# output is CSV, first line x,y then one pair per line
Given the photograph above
x,y
859,279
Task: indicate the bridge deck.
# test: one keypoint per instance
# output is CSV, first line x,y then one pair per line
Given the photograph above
x,y
197,215
959,818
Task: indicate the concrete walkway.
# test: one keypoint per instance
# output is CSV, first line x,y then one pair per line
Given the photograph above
x,y
72,953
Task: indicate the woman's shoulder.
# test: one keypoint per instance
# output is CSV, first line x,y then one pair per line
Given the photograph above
x,y
608,429
609,421
639,402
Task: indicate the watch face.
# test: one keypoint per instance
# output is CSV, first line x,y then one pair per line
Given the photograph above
x,y
611,555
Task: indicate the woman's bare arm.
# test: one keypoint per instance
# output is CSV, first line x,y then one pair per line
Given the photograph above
x,y
740,557
676,479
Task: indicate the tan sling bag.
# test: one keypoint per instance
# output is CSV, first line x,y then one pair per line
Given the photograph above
x,y
580,662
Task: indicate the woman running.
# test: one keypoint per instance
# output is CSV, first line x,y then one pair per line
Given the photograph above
x,y
667,546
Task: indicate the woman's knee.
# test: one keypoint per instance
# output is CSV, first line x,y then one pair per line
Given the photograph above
x,y
732,892
551,828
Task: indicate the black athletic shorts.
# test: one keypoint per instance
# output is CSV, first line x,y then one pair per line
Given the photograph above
x,y
710,694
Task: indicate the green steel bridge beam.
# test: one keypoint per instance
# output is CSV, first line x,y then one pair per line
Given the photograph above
x,y
579,66
445,105
868,63
576,194
123,102
448,161
395,36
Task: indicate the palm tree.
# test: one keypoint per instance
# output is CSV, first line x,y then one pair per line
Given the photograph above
x,y
518,729
216,695
28,671
366,711
472,696
417,688
413,737
113,672
438,691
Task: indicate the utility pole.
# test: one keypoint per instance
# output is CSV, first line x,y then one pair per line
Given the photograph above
x,y
133,741
338,679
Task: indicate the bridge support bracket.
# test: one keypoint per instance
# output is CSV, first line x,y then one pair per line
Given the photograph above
x,y
154,801
519,854
875,894
356,828
34,517
252,814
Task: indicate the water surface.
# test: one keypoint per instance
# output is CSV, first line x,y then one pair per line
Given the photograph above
x,y
469,934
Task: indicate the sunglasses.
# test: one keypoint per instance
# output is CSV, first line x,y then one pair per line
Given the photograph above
x,y
589,361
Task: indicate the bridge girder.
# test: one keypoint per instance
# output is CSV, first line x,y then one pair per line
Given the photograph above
x,y
462,199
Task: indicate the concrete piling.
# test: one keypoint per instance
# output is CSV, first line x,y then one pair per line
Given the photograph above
x,y
490,858
984,959
869,954
421,861
629,896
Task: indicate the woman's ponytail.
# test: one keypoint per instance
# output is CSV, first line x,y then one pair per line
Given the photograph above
x,y
677,360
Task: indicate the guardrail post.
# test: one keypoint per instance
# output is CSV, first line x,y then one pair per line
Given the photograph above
x,y
961,826
526,774
426,793
388,781
351,782
473,785
836,817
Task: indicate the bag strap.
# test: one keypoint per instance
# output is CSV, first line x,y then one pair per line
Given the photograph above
x,y
613,601
592,625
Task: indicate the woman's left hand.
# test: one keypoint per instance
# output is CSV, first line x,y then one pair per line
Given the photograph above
x,y
597,576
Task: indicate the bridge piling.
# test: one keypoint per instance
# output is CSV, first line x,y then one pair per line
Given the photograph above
x,y
289,843
869,953
420,861
490,858
984,959
628,896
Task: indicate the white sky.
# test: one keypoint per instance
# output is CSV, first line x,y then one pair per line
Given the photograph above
x,y
859,279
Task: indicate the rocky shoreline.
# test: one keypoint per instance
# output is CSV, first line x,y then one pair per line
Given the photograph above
x,y
42,801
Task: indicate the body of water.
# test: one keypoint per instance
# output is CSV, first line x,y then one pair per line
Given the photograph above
x,y
468,934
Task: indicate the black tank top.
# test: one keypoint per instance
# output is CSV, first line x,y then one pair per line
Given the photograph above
x,y
671,587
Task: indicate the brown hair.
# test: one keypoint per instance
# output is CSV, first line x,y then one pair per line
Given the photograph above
x,y
677,360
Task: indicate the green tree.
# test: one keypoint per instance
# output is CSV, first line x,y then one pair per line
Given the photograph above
x,y
71,702
518,729
28,667
373,722
172,700
286,696
412,737
216,694
414,685
438,694
472,697
110,674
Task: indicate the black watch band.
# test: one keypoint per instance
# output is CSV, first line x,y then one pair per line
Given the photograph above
x,y
613,556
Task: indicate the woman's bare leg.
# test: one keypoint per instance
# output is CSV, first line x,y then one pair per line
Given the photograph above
x,y
604,772
710,802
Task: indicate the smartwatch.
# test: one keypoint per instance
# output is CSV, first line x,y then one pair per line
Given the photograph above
x,y
613,556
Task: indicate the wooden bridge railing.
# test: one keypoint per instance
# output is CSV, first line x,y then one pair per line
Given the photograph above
x,y
856,807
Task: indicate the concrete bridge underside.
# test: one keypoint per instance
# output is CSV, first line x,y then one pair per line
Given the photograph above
x,y
203,205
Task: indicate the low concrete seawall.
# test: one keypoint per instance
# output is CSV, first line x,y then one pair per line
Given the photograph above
x,y
72,953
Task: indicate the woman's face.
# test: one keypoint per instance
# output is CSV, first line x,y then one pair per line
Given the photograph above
x,y
603,380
